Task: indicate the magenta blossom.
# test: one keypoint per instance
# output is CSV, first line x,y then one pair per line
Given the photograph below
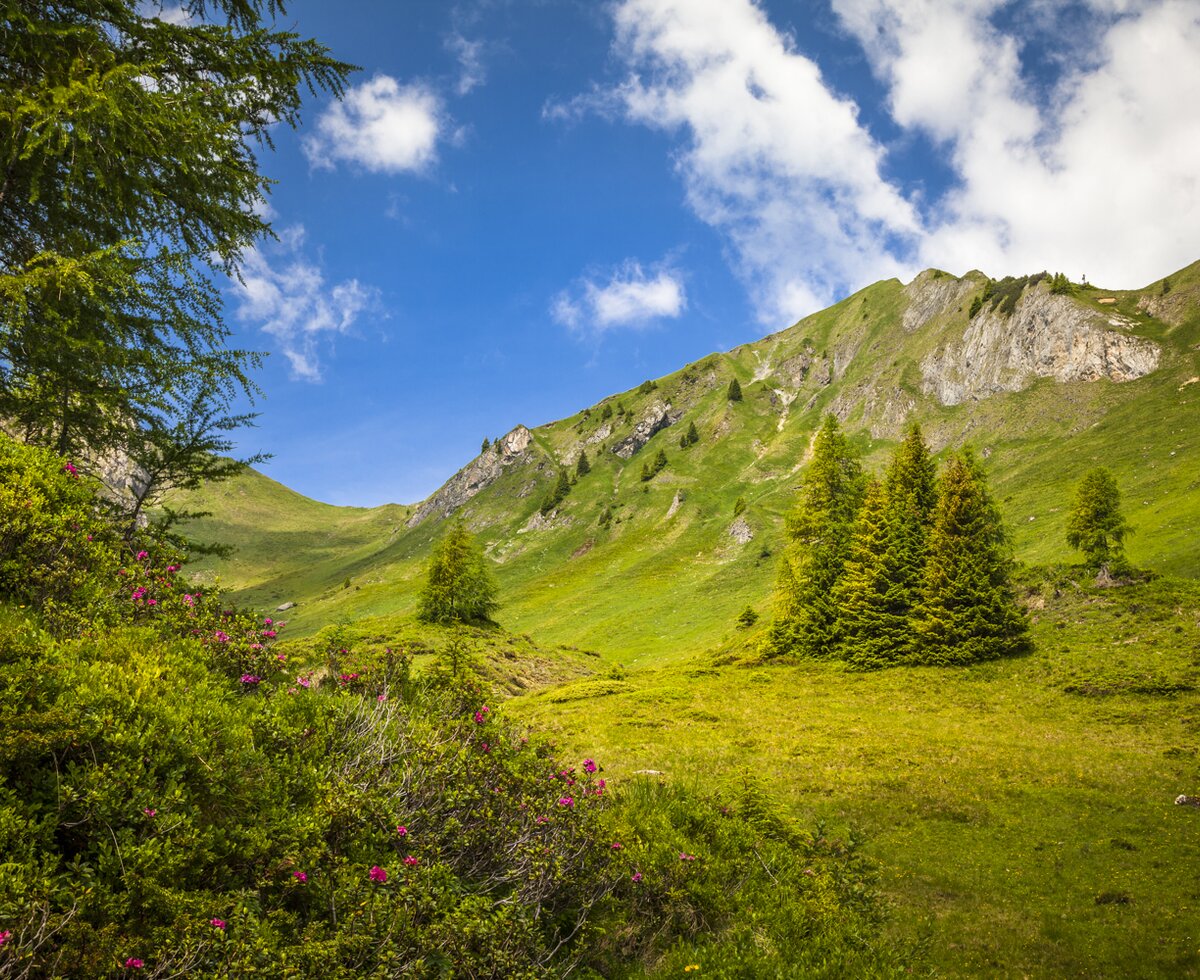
x,y
150,812
686,857
251,679
401,831
616,846
68,468
267,621
567,801
5,936
217,924
377,875
411,861
142,555
133,963
589,766
636,877
300,876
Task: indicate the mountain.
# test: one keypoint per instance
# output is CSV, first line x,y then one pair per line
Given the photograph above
x,y
1045,379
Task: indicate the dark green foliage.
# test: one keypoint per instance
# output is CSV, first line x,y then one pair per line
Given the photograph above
x,y
562,487
1060,285
582,466
689,438
486,445
459,587
1166,286
872,605
734,393
976,306
646,387
124,207
747,617
652,469
606,412
1002,295
967,611
820,530
739,506
606,517
1096,525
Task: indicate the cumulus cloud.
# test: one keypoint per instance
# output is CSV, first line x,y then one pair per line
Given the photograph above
x,y
471,70
628,297
287,297
1071,133
1098,177
381,125
770,154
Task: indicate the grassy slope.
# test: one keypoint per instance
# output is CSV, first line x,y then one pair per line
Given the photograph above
x,y
651,587
1001,800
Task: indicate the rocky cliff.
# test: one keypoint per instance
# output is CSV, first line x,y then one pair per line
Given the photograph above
x,y
479,474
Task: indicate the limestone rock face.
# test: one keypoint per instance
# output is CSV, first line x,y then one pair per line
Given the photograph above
x,y
479,474
930,295
1046,336
658,416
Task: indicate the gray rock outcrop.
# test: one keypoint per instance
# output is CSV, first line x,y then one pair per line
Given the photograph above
x,y
1047,336
479,474
658,416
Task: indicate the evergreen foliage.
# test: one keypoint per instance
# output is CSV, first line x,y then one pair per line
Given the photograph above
x,y
646,387
689,438
820,530
582,466
734,393
131,190
747,617
606,412
739,507
486,445
1096,525
562,487
967,611
652,469
459,587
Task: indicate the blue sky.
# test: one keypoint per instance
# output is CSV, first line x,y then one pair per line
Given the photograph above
x,y
522,206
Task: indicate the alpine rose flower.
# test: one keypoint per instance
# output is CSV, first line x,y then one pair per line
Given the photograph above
x,y
377,875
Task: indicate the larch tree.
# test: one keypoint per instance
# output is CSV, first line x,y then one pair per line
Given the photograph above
x,y
459,587
1096,525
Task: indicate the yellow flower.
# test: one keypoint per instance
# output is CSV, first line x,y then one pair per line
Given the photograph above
x,y
690,967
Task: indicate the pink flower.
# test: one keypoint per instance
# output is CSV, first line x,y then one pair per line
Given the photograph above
x,y
401,831
133,963
411,861
616,846
142,555
303,680
189,599
267,621
382,697
220,637
269,634
5,936
150,812
172,568
377,875
68,468
138,593
589,766
250,679
217,924
151,602
543,819
636,877
567,801
300,876
686,857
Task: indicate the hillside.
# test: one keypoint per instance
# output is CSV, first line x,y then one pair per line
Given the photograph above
x,y
1045,386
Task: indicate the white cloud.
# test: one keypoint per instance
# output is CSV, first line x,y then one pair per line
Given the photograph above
x,y
168,13
771,156
289,299
1071,135
471,70
628,298
1099,178
382,125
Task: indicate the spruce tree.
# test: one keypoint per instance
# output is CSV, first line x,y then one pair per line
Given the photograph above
x,y
820,529
458,587
871,600
966,611
562,487
486,445
734,394
910,486
1096,525
583,467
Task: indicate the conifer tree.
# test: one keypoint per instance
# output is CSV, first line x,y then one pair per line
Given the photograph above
x,y
910,487
459,587
870,598
606,412
486,445
583,467
1096,525
820,529
734,394
967,611
562,487
689,438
